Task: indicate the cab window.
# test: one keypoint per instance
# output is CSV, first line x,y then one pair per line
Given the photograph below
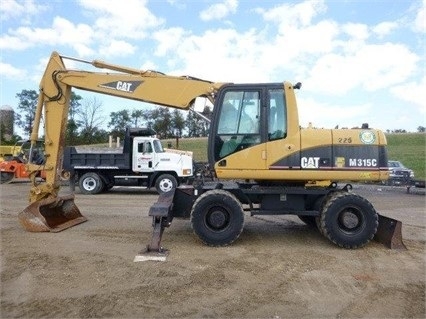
x,y
277,121
239,121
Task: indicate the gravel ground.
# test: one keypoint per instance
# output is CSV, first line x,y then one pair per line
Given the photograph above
x,y
278,268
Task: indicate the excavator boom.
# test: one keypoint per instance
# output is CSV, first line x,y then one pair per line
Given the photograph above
x,y
48,211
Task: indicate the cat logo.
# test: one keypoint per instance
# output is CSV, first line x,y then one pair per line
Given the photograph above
x,y
309,162
125,86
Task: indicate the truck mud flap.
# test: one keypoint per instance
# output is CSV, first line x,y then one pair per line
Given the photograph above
x,y
389,233
51,215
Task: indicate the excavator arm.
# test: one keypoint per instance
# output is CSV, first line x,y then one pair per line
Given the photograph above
x,y
48,211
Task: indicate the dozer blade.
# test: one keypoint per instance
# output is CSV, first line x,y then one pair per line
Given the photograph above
x,y
389,233
51,215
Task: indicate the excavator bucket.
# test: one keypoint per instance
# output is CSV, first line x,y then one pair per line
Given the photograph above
x,y
389,233
51,215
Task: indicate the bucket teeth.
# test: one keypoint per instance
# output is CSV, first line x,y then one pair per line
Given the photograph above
x,y
51,215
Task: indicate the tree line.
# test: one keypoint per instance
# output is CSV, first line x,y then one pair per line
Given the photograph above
x,y
86,120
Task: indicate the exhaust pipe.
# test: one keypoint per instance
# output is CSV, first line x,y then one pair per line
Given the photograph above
x,y
51,215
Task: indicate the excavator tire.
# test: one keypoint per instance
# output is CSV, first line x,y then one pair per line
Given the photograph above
x,y
217,218
348,220
51,215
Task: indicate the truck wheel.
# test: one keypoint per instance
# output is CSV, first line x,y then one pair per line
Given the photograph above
x,y
165,183
90,184
217,218
348,220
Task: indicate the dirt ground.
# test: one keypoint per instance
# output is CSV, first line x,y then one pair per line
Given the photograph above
x,y
278,268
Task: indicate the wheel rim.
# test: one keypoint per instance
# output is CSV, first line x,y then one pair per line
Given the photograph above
x,y
350,220
89,184
217,219
166,185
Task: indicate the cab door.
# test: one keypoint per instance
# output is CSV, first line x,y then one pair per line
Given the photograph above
x,y
143,156
237,131
283,137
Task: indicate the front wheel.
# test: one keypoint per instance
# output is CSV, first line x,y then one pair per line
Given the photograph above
x,y
90,184
217,217
348,220
165,183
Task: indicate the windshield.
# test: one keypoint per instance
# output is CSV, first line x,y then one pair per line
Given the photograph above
x,y
158,147
395,164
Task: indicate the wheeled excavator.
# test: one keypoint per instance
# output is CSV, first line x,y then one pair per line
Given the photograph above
x,y
260,160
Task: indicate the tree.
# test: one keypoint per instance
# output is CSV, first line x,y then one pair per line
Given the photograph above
x,y
207,112
119,121
27,106
136,116
178,122
197,126
421,129
72,126
90,119
162,122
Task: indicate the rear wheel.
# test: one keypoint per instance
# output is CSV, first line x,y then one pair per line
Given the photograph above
x,y
6,177
165,183
217,218
90,184
348,220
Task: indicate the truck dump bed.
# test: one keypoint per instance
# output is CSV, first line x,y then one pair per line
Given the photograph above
x,y
107,160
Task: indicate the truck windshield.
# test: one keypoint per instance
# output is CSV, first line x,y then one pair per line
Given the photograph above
x,y
158,148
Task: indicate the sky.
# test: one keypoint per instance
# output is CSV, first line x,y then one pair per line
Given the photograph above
x,y
359,61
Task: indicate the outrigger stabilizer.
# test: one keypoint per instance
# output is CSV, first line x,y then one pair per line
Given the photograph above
x,y
161,213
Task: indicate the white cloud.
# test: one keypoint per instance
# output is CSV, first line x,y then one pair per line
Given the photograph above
x,y
293,15
168,40
414,93
384,28
372,67
297,44
62,32
112,18
356,31
117,48
10,72
420,20
15,43
219,10
329,115
12,9
234,58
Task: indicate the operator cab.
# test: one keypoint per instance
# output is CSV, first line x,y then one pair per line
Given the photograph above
x,y
245,116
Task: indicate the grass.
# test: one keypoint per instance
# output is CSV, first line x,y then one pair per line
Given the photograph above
x,y
197,145
408,148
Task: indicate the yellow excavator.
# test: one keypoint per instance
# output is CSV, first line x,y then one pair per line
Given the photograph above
x,y
261,161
